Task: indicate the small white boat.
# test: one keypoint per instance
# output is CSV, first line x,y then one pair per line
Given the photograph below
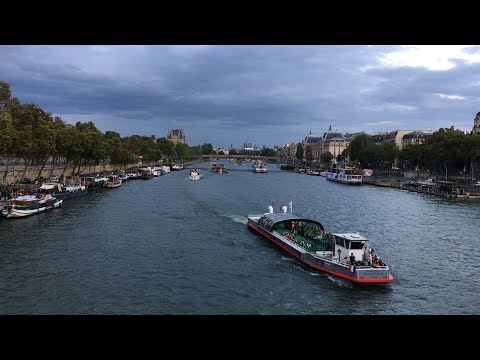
x,y
113,182
195,174
165,169
259,167
177,167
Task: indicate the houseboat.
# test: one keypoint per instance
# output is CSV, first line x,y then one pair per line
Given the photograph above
x,y
113,182
345,255
344,175
25,205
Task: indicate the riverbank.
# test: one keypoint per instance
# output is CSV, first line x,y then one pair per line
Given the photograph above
x,y
445,189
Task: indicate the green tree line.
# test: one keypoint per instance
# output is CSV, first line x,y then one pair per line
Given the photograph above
x,y
29,133
446,150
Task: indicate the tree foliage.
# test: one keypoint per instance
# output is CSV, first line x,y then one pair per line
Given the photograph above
x,y
299,153
268,152
309,153
326,157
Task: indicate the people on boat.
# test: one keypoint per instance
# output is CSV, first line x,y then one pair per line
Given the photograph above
x,y
352,259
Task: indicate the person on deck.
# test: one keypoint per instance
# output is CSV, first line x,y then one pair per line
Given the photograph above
x,y
352,259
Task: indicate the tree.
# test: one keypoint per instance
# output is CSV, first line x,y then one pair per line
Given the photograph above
x,y
268,152
309,153
182,149
5,93
299,153
232,152
207,149
166,147
362,149
326,157
8,138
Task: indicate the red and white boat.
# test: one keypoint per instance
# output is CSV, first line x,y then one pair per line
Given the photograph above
x,y
346,255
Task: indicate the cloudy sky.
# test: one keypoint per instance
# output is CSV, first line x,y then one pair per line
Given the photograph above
x,y
266,95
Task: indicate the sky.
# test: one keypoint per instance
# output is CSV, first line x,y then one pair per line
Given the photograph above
x,y
264,94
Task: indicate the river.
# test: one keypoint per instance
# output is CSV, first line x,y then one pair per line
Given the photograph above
x,y
174,246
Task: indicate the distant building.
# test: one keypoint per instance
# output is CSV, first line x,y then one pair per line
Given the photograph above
x,y
315,143
287,151
396,136
415,138
379,137
476,124
334,142
176,136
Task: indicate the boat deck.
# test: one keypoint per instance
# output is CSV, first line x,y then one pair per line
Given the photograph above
x,y
306,243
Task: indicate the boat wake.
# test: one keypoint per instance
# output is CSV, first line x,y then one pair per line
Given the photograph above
x,y
238,219
339,282
288,258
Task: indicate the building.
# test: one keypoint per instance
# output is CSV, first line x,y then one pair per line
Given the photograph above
x,y
315,143
396,136
334,142
476,124
415,138
287,151
379,137
176,136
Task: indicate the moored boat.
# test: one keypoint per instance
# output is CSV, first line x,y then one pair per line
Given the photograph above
x,y
344,175
25,205
176,167
346,255
113,182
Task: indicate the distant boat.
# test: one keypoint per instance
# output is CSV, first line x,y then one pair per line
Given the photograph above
x,y
113,182
287,167
312,172
345,175
218,168
195,174
259,167
176,167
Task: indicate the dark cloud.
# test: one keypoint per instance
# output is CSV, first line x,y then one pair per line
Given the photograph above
x,y
268,95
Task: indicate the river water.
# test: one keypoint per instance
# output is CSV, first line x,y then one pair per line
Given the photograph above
x,y
174,246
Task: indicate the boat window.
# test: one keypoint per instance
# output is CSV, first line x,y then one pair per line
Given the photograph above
x,y
356,245
347,243
339,241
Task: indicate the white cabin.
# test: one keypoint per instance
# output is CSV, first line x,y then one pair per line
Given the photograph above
x,y
346,244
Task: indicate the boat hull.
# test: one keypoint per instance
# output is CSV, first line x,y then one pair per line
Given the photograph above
x,y
348,182
19,213
330,266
